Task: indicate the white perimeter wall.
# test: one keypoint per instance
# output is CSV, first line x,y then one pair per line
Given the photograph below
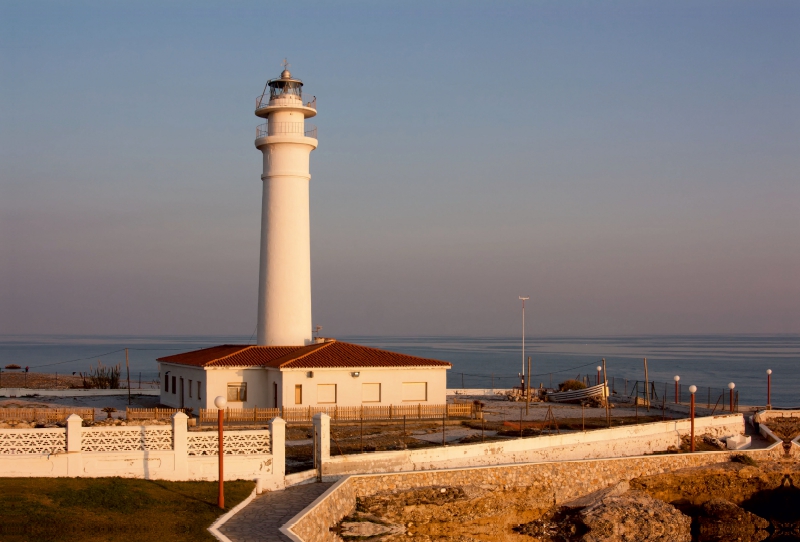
x,y
260,385
349,388
614,442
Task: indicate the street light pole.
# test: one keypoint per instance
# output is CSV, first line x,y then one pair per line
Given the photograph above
x,y
769,388
220,402
692,390
523,299
730,387
677,395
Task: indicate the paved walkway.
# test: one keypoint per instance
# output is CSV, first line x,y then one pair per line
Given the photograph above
x,y
260,520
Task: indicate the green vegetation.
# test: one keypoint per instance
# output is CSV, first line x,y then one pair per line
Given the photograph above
x,y
744,459
112,509
104,377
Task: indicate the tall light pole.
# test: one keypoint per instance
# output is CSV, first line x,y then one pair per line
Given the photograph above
x,y
220,402
692,390
769,389
523,299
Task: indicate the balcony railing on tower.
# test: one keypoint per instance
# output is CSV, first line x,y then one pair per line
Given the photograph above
x,y
282,128
266,100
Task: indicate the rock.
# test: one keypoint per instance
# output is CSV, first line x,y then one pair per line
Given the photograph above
x,y
723,520
593,499
363,529
635,517
613,514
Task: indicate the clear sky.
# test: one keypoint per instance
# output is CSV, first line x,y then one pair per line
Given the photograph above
x,y
633,167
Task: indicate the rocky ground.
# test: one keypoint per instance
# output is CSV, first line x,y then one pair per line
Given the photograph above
x,y
731,501
784,428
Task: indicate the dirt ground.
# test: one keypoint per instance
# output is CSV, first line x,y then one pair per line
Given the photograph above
x,y
52,381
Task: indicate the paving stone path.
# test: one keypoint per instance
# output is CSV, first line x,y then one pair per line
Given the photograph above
x,y
260,520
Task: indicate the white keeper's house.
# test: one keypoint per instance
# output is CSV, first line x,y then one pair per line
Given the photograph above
x,y
288,367
329,373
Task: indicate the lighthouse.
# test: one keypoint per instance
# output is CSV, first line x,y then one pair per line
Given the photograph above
x,y
284,278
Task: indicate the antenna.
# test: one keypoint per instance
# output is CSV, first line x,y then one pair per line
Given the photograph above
x,y
285,64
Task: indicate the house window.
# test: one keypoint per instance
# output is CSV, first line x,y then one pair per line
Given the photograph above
x,y
237,392
415,391
190,387
173,385
298,394
326,393
370,393
198,390
166,383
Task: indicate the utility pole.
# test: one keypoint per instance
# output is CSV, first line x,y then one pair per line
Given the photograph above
x,y
128,370
523,299
528,388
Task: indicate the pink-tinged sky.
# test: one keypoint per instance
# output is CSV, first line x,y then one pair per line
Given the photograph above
x,y
632,167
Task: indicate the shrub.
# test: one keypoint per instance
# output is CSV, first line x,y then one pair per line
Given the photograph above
x,y
570,385
104,377
13,367
744,459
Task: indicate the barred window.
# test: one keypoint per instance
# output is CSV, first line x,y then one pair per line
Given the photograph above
x,y
237,392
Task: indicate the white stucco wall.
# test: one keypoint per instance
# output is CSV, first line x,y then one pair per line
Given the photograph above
x,y
349,388
172,398
260,385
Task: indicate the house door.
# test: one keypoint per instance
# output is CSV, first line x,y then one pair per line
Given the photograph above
x,y
181,392
275,395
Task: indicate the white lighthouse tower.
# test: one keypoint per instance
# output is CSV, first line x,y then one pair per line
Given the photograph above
x,y
284,279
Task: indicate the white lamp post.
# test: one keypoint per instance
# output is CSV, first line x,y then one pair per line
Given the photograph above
x,y
220,402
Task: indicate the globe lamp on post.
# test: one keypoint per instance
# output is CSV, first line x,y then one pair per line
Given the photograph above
x,y
692,390
599,368
677,389
730,387
220,402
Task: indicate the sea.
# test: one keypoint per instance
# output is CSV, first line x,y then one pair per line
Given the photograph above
x,y
710,362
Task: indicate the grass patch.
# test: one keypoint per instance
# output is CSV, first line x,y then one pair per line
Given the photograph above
x,y
112,509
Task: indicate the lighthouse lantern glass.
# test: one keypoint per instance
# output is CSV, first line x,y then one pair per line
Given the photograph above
x,y
285,88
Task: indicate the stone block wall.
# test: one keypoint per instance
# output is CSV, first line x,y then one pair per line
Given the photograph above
x,y
558,482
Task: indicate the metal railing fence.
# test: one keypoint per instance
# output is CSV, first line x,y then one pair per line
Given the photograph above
x,y
341,413
264,101
281,128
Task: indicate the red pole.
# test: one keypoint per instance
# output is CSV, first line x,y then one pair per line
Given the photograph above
x,y
730,387
731,401
691,415
676,392
221,497
769,386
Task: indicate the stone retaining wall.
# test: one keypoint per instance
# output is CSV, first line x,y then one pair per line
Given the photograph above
x,y
558,482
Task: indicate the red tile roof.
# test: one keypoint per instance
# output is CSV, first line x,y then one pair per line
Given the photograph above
x,y
330,354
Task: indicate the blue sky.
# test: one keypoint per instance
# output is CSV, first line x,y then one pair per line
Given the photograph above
x,y
633,167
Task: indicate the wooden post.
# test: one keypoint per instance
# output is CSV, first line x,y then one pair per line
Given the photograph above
x,y
646,386
362,429
520,423
128,370
444,418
